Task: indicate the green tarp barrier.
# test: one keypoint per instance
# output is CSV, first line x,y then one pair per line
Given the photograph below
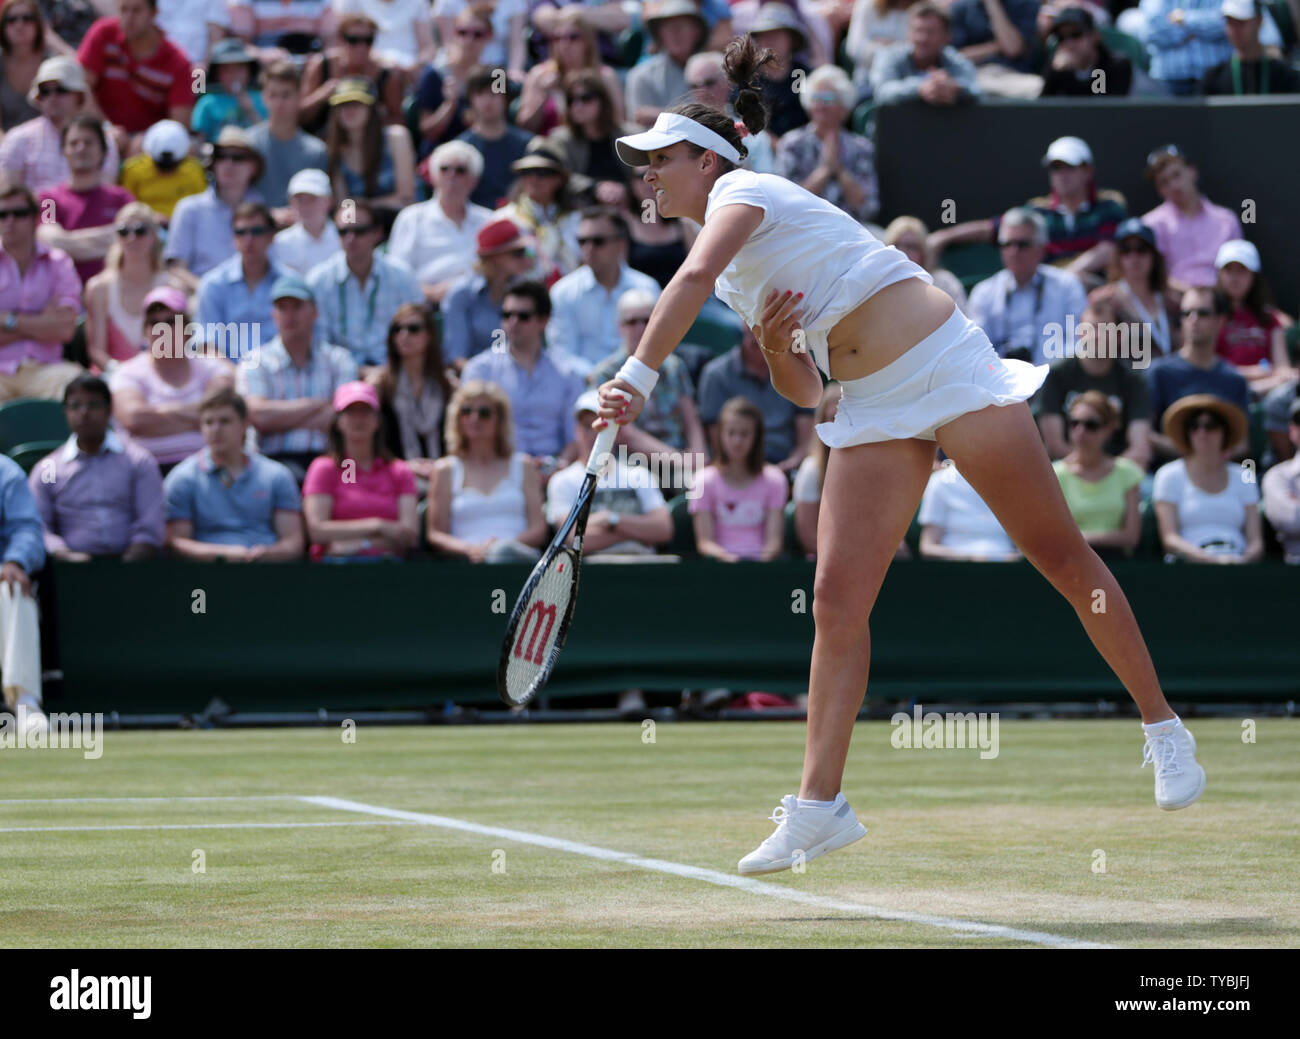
x,y
168,636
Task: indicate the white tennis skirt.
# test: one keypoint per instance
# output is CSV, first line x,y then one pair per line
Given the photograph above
x,y
952,371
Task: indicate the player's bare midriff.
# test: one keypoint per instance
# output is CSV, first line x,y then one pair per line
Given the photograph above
x,y
883,328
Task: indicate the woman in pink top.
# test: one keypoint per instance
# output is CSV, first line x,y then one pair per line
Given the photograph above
x,y
359,501
115,296
740,509
156,394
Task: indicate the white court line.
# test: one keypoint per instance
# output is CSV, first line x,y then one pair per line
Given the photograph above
x,y
91,800
193,826
967,928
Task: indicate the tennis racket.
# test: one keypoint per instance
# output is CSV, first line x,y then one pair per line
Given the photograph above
x,y
540,620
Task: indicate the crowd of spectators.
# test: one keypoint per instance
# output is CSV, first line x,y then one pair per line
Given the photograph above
x,y
335,279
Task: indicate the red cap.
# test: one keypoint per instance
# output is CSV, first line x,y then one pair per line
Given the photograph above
x,y
493,237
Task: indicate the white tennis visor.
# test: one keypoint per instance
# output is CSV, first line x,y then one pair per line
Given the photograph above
x,y
668,129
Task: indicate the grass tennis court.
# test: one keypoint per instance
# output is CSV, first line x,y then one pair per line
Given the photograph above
x,y
1010,841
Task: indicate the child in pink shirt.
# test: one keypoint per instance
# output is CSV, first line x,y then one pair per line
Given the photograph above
x,y
739,511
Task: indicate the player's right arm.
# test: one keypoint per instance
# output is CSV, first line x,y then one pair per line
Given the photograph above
x,y
726,231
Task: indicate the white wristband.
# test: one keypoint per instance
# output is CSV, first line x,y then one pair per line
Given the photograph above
x,y
639,375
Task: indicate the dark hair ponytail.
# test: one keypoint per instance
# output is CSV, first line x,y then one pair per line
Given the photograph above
x,y
741,63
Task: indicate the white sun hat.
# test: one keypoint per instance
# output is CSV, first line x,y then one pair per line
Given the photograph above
x,y
668,129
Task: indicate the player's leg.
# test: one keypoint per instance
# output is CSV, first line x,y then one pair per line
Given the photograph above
x,y
1000,452
868,500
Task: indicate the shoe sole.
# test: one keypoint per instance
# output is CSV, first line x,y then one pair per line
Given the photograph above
x,y
1200,789
840,840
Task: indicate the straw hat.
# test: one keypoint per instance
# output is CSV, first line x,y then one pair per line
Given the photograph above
x,y
1174,422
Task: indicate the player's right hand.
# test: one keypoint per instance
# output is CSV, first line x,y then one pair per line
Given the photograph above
x,y
619,402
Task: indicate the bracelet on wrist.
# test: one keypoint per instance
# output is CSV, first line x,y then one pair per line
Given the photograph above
x,y
774,353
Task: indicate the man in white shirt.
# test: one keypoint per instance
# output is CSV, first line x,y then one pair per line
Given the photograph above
x,y
313,239
1028,303
438,239
628,513
584,320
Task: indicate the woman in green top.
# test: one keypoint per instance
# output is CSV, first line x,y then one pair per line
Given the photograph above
x,y
1101,490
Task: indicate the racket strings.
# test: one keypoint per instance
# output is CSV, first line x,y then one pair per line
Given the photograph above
x,y
540,623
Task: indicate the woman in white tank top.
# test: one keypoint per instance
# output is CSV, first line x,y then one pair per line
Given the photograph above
x,y
822,293
485,498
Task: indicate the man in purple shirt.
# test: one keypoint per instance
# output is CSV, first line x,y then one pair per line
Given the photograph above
x,y
40,298
100,494
79,214
1189,228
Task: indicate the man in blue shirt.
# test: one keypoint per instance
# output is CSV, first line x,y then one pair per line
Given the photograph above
x,y
22,541
584,321
1196,368
224,503
357,290
541,386
999,37
235,296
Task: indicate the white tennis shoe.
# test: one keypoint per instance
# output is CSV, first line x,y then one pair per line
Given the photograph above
x,y
802,834
1180,780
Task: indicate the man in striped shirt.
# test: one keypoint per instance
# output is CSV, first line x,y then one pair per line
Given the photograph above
x,y
290,385
136,75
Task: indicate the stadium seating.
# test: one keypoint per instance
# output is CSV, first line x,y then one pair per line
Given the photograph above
x,y
27,455
30,421
683,542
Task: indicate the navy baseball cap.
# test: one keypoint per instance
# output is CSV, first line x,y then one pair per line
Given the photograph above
x,y
1135,228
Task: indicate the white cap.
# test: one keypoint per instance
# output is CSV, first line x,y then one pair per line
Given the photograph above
x,y
1242,10
166,137
1070,150
59,69
587,401
1238,251
668,129
309,182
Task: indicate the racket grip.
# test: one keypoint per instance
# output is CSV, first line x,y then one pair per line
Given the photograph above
x,y
603,445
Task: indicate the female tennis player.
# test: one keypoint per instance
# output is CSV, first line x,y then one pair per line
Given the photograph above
x,y
822,293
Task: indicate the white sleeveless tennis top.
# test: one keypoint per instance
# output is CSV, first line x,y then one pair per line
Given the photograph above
x,y
808,245
476,516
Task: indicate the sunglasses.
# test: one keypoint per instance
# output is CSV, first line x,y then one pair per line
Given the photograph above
x,y
347,229
826,97
1018,243
53,90
566,37
1203,423
460,171
704,84
1066,37
1090,424
17,214
128,230
473,34
638,319
522,315
518,252
253,232
85,405
357,41
1198,312
231,157
483,411
1125,250
1168,151
412,327
21,19
596,239
582,99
